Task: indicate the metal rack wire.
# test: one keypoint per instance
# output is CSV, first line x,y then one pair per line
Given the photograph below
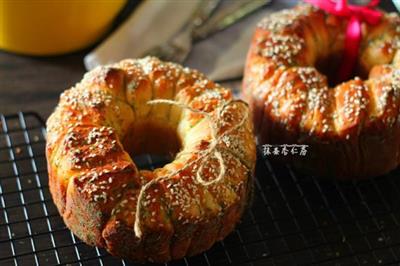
x,y
294,219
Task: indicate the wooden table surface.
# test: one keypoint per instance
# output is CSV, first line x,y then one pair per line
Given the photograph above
x,y
35,83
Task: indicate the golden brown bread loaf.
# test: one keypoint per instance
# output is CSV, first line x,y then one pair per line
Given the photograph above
x,y
353,129
177,210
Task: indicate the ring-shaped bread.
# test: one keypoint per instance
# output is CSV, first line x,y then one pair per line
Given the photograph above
x,y
352,129
177,210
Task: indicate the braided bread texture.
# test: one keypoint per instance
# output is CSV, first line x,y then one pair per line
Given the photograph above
x,y
178,210
352,129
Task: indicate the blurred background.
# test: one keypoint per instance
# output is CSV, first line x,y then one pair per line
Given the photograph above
x,y
46,46
42,45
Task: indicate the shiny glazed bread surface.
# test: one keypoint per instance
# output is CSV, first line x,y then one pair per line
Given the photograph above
x,y
95,184
352,129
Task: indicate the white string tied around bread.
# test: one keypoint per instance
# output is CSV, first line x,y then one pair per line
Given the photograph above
x,y
212,150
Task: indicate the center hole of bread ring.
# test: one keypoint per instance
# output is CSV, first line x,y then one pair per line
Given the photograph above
x,y
329,66
152,144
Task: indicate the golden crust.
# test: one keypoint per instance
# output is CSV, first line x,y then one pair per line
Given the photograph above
x,y
352,129
145,215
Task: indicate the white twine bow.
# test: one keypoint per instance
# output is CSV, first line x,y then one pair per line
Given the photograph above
x,y
212,150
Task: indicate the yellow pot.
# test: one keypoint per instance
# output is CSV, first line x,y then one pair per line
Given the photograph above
x,y
49,27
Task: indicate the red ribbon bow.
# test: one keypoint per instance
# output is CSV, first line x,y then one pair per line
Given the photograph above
x,y
356,15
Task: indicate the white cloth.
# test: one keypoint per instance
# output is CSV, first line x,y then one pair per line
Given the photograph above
x,y
151,24
221,56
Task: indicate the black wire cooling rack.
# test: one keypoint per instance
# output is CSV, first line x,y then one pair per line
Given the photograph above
x,y
293,220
